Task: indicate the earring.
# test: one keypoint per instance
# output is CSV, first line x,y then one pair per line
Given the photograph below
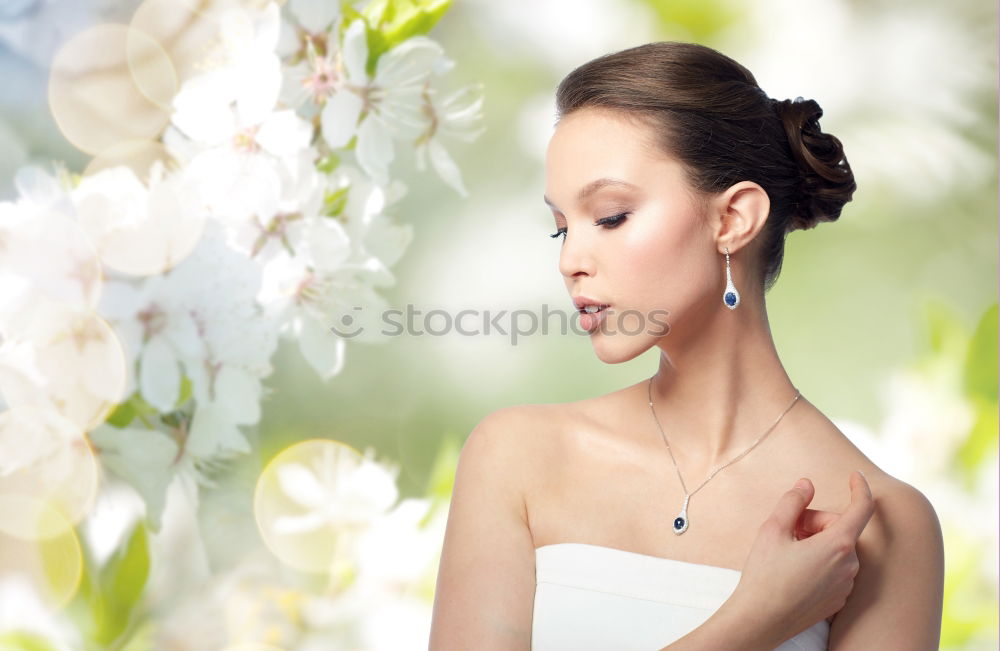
x,y
730,297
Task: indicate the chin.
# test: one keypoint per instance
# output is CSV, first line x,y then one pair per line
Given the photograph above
x,y
616,349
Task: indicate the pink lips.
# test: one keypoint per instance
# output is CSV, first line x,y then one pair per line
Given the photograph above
x,y
589,320
581,302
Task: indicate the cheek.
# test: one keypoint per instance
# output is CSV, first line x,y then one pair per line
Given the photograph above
x,y
666,264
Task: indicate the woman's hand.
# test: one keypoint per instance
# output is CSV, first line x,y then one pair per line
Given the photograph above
x,y
802,565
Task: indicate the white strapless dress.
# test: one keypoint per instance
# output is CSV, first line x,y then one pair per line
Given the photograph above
x,y
589,597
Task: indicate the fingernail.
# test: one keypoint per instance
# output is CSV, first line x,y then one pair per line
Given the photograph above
x,y
802,483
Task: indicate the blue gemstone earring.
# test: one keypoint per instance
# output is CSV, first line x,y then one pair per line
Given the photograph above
x,y
730,297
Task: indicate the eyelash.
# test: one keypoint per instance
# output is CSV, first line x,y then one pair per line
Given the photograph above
x,y
609,222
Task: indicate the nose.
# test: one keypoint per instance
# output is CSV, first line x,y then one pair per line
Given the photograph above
x,y
576,256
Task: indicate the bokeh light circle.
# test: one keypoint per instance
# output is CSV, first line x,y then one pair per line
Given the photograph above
x,y
52,565
138,229
302,504
187,29
138,155
76,366
46,466
109,84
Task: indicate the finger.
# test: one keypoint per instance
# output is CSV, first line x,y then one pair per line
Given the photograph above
x,y
862,506
791,505
814,520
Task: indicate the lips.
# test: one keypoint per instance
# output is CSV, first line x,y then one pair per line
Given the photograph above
x,y
591,311
588,305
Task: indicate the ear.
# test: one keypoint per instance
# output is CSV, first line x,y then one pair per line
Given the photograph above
x,y
739,213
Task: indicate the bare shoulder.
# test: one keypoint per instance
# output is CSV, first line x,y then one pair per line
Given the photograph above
x,y
520,432
528,431
904,525
901,574
486,576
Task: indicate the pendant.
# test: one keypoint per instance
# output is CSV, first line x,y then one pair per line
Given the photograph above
x,y
681,521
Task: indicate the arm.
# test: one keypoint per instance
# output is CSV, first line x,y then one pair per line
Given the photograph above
x,y
486,578
898,592
727,628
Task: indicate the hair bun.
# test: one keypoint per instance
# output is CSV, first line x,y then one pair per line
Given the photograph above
x,y
827,180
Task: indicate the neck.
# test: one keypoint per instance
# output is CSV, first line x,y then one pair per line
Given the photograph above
x,y
717,391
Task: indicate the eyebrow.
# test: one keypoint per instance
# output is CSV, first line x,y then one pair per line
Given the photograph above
x,y
594,186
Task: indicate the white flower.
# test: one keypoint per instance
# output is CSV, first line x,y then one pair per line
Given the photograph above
x,y
44,253
229,110
335,490
134,229
147,459
315,70
201,317
390,102
301,201
456,115
324,272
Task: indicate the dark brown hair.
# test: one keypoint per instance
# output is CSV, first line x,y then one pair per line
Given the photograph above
x,y
708,112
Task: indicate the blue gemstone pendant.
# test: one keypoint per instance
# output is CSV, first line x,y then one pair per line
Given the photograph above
x,y
681,521
731,297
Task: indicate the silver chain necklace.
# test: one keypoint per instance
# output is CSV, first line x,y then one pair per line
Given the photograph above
x,y
681,521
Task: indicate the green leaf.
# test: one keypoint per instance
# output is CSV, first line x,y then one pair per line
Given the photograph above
x,y
88,609
328,163
61,560
126,573
122,580
24,641
135,407
981,444
335,201
185,392
441,481
980,378
701,20
122,415
390,22
143,639
945,333
970,602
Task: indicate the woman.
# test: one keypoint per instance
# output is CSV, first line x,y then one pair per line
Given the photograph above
x,y
646,518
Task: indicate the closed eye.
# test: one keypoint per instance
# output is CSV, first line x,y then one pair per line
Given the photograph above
x,y
608,222
613,221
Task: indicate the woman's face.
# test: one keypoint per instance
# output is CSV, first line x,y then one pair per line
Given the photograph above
x,y
655,261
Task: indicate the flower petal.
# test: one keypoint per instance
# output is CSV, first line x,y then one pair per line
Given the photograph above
x,y
300,483
374,149
237,395
339,118
408,63
321,348
446,167
355,52
159,375
315,15
259,83
211,434
329,245
284,133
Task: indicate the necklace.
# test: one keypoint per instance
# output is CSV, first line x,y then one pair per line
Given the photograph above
x,y
681,521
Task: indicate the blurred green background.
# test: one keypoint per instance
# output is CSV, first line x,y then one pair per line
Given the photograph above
x,y
919,127
904,285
